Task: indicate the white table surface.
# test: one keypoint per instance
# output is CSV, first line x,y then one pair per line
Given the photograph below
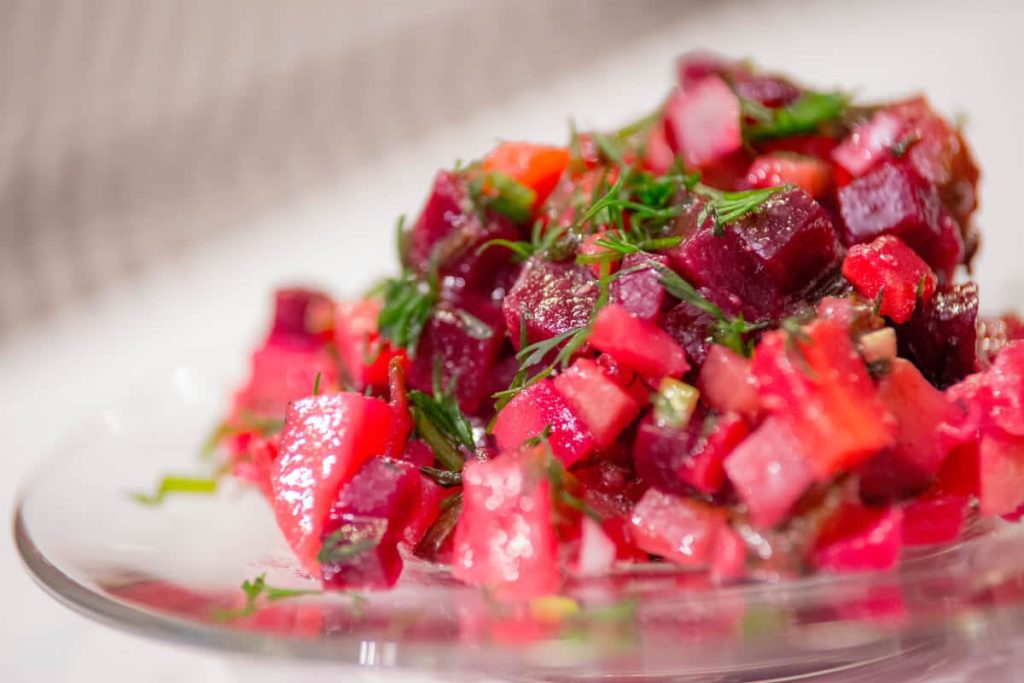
x,y
208,304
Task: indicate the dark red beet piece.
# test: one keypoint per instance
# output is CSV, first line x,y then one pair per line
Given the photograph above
x,y
295,311
465,348
641,292
442,215
659,452
764,259
361,534
894,199
941,338
449,228
555,297
691,328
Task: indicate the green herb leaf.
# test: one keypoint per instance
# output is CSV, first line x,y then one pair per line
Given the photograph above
x,y
256,589
316,385
726,331
177,484
805,115
408,304
441,423
724,208
341,548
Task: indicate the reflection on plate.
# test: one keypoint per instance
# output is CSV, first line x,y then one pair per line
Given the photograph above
x,y
174,572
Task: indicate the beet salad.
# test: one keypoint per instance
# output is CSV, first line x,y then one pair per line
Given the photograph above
x,y
737,336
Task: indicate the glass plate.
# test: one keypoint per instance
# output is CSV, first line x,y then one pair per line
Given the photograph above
x,y
174,572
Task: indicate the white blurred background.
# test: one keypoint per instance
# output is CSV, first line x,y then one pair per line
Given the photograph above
x,y
164,164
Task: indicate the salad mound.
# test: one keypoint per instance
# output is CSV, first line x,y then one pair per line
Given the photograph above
x,y
735,336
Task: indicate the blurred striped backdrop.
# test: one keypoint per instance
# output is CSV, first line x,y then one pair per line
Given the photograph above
x,y
130,131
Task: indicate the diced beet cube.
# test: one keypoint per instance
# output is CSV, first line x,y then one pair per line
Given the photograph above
x,y
326,439
449,229
763,259
601,404
691,328
934,518
639,344
505,538
301,315
554,297
810,174
283,371
889,268
465,337
818,384
703,122
870,143
857,538
726,382
359,540
442,215
640,292
941,337
917,452
610,489
538,167
659,452
703,468
939,153
697,65
680,530
769,471
769,91
894,199
1000,473
597,551
364,355
535,408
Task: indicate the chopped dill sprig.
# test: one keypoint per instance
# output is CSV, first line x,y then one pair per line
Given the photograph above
x,y
726,331
177,484
440,422
723,208
256,589
804,115
408,304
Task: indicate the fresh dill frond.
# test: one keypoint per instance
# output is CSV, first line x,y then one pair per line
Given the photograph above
x,y
723,208
804,115
408,305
